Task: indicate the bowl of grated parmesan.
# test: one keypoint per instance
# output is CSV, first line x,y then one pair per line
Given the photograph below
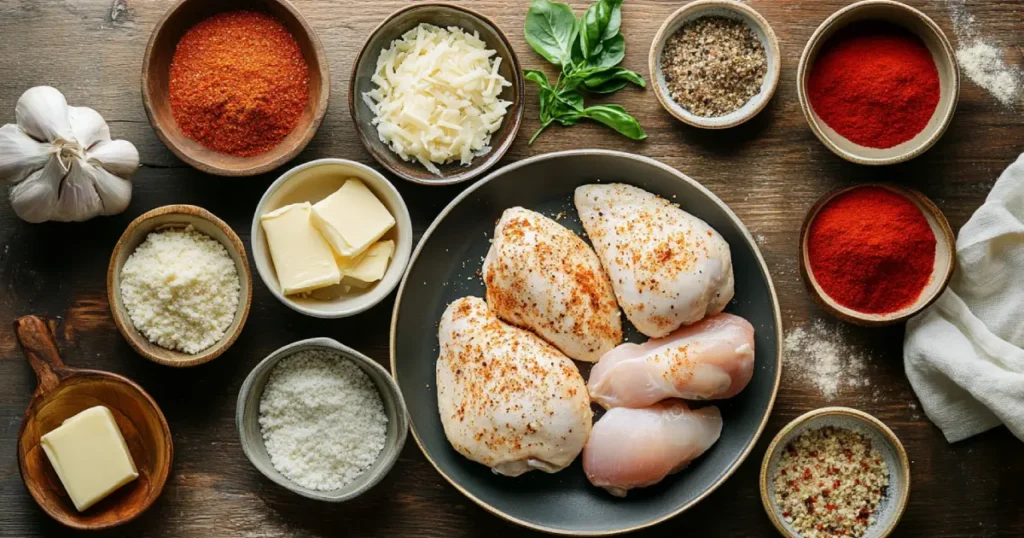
x,y
321,419
179,285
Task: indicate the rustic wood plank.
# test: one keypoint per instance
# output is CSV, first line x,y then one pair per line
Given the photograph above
x,y
769,171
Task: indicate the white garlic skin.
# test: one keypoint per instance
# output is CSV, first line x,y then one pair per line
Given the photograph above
x,y
62,162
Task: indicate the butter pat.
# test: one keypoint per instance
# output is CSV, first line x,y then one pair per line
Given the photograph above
x,y
352,218
371,267
90,456
302,258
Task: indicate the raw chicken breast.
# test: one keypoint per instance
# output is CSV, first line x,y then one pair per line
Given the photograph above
x,y
635,448
712,359
542,277
668,268
508,399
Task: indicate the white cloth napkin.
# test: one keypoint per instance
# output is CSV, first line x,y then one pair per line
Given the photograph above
x,y
963,354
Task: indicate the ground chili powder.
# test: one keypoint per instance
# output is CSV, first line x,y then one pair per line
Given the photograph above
x,y
871,250
238,83
875,84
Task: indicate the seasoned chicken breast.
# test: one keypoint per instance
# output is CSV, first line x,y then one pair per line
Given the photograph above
x,y
668,268
635,448
709,360
542,277
508,399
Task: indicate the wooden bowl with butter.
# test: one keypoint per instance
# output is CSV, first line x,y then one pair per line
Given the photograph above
x,y
64,392
311,183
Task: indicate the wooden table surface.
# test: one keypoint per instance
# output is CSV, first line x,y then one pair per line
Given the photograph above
x,y
769,171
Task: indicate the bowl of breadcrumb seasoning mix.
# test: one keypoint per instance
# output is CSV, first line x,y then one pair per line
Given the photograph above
x,y
835,471
715,63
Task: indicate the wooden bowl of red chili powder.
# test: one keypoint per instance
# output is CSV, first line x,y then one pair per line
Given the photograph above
x,y
878,82
235,87
876,254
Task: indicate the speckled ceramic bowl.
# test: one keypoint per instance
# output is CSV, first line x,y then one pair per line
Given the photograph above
x,y
895,501
247,420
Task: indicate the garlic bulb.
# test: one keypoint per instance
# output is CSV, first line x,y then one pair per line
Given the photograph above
x,y
62,162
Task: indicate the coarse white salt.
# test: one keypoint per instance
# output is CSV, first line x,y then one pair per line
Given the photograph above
x,y
984,64
818,355
322,419
181,289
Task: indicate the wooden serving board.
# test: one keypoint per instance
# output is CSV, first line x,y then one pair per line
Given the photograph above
x,y
770,171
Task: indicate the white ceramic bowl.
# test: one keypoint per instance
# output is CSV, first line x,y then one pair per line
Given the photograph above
x,y
717,8
312,182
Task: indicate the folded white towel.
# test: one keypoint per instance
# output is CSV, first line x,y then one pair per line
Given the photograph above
x,y
963,354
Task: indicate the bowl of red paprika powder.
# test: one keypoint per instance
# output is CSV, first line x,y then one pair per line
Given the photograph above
x,y
878,82
235,87
876,254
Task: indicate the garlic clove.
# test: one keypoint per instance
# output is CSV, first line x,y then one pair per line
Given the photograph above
x,y
35,198
88,126
115,192
20,154
42,112
116,156
78,198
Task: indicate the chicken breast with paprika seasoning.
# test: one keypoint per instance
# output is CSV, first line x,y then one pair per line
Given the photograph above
x,y
542,277
667,267
508,399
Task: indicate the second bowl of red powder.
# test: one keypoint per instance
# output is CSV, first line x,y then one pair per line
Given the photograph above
x,y
235,89
878,82
876,254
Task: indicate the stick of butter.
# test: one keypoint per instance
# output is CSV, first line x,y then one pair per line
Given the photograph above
x,y
90,456
302,258
371,266
352,218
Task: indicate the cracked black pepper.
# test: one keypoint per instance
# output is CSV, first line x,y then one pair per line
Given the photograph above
x,y
713,65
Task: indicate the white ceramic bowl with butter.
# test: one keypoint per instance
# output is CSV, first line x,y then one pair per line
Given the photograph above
x,y
312,182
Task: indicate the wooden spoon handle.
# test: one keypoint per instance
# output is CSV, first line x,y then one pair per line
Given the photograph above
x,y
40,348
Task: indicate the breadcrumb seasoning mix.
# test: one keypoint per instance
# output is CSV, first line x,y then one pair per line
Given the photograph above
x,y
713,65
238,83
829,482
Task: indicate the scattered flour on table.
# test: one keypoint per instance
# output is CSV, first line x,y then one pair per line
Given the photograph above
x,y
322,420
818,354
181,289
981,60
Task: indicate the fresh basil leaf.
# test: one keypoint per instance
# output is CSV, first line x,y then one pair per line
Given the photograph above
x,y
570,100
614,22
594,26
612,52
537,76
612,80
551,29
617,118
569,119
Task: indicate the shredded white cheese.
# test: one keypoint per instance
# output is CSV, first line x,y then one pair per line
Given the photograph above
x,y
181,289
436,96
322,420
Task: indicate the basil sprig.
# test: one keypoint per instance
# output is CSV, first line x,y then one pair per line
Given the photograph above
x,y
589,50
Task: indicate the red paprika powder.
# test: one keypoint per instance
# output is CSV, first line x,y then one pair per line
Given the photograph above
x,y
875,84
871,250
238,83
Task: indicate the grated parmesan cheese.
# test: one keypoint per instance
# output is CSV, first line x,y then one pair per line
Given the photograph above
x,y
181,289
436,96
322,420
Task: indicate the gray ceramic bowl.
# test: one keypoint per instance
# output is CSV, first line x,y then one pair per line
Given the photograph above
x,y
442,15
444,267
247,420
895,501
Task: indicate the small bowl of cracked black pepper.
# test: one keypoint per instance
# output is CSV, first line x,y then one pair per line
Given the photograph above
x,y
715,63
835,471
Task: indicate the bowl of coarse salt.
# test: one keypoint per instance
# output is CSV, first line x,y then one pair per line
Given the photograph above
x,y
321,420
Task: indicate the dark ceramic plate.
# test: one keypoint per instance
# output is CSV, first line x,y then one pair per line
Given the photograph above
x,y
442,15
445,267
